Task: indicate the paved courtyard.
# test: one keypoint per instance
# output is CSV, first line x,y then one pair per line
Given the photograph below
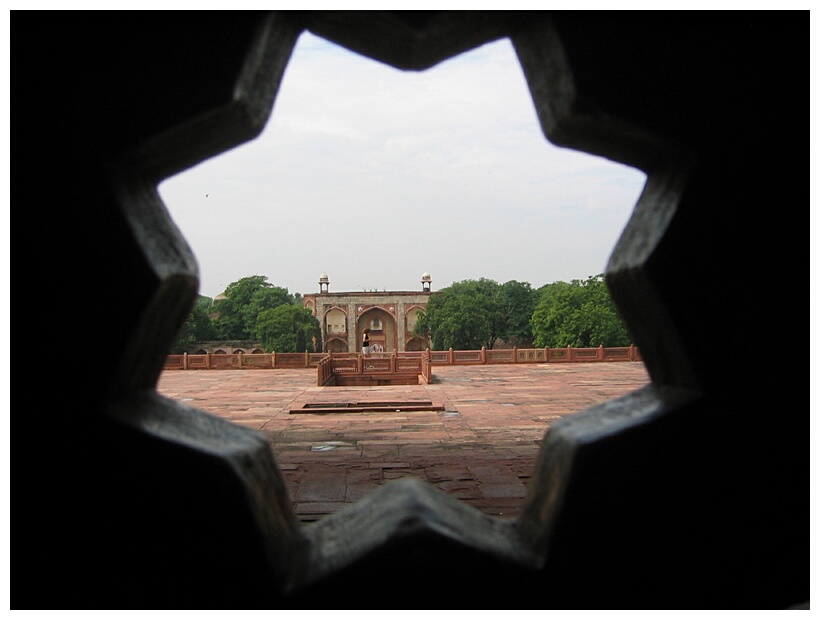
x,y
480,446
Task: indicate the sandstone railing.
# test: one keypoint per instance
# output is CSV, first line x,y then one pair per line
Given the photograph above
x,y
215,361
392,367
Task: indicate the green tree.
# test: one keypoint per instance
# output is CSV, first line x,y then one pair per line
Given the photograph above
x,y
477,313
517,301
263,299
489,294
458,316
198,327
288,329
578,314
244,300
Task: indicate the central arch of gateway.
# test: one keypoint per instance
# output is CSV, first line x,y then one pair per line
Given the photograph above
x,y
390,316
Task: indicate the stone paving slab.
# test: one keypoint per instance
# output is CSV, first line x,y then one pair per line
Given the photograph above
x,y
481,448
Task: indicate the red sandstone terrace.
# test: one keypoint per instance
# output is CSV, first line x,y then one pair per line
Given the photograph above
x,y
477,438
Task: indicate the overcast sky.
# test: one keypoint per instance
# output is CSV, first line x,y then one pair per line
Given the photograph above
x,y
375,176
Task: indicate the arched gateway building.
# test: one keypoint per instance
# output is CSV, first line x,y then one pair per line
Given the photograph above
x,y
390,315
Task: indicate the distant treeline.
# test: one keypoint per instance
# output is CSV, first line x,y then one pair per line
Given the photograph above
x,y
469,314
